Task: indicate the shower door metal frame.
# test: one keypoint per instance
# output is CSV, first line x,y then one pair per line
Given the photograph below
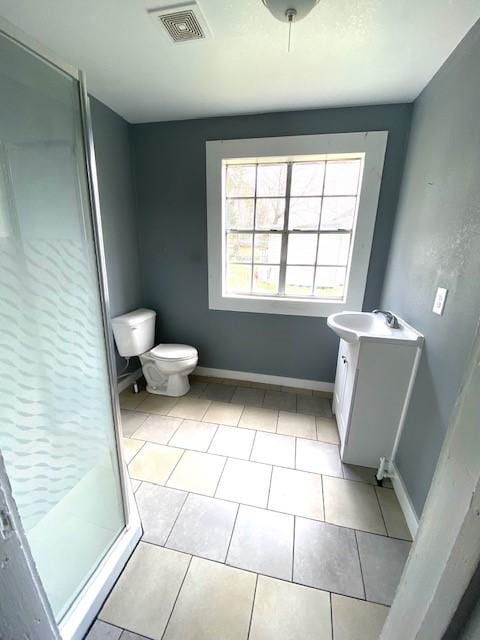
x,y
84,608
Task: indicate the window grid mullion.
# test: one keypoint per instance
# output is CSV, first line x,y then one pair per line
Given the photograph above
x,y
319,227
284,249
254,225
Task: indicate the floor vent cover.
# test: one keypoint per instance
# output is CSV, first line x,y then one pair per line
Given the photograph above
x,y
182,23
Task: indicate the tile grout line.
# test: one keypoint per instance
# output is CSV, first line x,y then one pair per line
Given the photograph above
x,y
134,455
171,472
293,545
178,594
381,512
272,467
331,614
175,521
323,499
360,564
253,607
269,487
219,477
231,534
253,446
266,575
182,420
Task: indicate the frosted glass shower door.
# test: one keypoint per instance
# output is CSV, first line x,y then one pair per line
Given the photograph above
x,y
56,414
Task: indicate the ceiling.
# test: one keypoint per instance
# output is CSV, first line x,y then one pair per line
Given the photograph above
x,y
346,52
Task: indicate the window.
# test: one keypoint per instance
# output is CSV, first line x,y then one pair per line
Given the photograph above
x,y
291,232
288,227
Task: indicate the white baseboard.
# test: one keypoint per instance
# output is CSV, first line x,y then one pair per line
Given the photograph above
x,y
282,381
128,380
404,500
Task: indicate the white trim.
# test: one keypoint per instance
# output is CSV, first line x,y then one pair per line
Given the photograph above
x,y
84,610
282,381
128,380
404,500
370,143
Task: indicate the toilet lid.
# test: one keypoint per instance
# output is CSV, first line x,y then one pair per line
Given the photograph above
x,y
173,352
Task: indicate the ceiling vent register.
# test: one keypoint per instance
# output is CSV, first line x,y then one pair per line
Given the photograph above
x,y
182,22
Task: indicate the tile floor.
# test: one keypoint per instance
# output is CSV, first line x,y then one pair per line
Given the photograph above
x,y
253,527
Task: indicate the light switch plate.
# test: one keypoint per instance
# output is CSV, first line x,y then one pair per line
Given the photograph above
x,y
439,303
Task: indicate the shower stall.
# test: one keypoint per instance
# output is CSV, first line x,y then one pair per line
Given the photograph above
x,y
70,505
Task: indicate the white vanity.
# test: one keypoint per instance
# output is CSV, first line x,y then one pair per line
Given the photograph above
x,y
375,374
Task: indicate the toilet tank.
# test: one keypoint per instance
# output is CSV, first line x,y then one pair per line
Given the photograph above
x,y
134,332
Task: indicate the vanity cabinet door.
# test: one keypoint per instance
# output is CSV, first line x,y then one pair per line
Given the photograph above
x,y
339,380
344,385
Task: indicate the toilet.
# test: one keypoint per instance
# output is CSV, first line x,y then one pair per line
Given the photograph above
x,y
166,367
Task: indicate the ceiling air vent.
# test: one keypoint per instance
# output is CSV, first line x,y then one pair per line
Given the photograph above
x,y
182,22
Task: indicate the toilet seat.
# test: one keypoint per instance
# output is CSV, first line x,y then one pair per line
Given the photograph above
x,y
173,352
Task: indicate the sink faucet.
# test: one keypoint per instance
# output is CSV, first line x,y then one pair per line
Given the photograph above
x,y
390,320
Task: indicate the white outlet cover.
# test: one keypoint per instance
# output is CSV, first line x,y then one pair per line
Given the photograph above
x,y
439,303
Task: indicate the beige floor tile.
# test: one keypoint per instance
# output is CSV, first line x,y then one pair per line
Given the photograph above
x,y
318,457
245,482
323,394
130,421
145,593
287,610
157,404
215,603
356,619
300,392
193,434
352,504
224,413
190,408
392,513
131,448
232,442
219,391
261,419
130,400
280,400
327,430
262,541
158,429
248,396
154,463
197,472
296,492
196,389
314,406
295,424
272,448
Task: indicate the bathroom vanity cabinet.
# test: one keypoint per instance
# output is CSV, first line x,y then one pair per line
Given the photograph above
x,y
372,384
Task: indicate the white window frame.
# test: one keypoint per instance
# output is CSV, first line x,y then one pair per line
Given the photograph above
x,y
372,144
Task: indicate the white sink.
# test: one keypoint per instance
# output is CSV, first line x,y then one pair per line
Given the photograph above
x,y
353,326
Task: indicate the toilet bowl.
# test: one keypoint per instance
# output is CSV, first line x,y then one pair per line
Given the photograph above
x,y
166,368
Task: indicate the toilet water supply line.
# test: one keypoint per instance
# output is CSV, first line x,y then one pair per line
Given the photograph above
x,y
123,373
386,467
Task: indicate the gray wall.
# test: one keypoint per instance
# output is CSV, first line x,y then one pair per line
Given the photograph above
x,y
169,161
117,202
436,242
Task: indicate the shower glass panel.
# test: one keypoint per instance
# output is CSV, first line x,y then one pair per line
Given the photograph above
x,y
56,416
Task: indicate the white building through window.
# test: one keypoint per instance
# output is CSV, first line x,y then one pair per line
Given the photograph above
x,y
292,233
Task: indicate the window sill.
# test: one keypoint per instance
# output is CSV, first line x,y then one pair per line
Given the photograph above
x,y
282,306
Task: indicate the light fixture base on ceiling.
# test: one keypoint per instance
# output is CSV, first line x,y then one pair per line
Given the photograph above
x,y
282,9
